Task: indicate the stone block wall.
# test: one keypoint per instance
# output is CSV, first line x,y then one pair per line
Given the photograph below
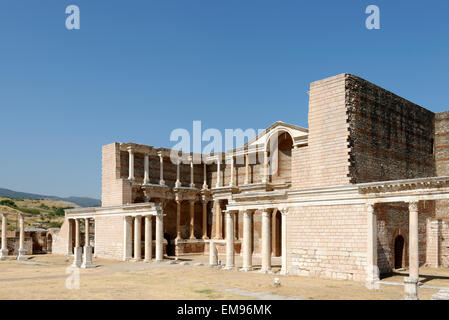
x,y
390,138
327,241
109,237
324,162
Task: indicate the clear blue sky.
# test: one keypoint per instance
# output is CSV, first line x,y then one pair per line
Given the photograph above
x,y
136,70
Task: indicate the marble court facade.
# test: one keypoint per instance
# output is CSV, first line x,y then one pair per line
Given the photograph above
x,y
361,192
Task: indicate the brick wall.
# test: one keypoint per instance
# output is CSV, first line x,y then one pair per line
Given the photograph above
x,y
390,138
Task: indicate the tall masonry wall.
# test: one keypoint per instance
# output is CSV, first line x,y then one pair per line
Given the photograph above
x,y
324,162
390,138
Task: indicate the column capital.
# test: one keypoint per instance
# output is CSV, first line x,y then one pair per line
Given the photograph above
x,y
266,212
159,153
370,207
283,210
130,149
413,205
192,201
247,213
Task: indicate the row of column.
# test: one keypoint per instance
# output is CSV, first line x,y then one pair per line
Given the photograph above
x,y
246,181
247,240
146,179
4,251
159,254
372,268
82,255
192,219
146,165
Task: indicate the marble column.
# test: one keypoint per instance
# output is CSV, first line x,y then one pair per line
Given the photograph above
x,y
231,179
205,176
246,181
266,241
70,237
146,169
178,181
4,251
161,161
127,230
218,184
217,208
230,252
284,213
247,241
148,239
87,261
137,238
372,269
192,182
265,167
192,219
205,237
77,251
131,163
159,237
22,250
411,282
178,219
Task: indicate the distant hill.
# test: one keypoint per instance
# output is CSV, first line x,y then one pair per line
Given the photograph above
x,y
80,201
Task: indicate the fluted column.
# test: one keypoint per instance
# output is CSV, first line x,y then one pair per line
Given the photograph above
x,y
371,261
159,237
146,168
161,161
205,237
266,241
148,239
284,213
178,219
192,219
137,238
230,253
246,169
4,251
131,163
247,241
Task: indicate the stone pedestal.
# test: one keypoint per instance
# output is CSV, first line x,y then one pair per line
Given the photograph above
x,y
87,258
410,288
3,254
213,254
77,257
22,254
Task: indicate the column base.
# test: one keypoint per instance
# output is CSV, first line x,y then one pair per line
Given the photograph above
x,y
159,260
372,284
205,238
265,271
410,288
193,238
283,272
77,257
246,269
87,261
22,255
229,268
147,260
4,254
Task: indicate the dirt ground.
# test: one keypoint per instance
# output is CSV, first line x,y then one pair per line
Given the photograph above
x,y
51,277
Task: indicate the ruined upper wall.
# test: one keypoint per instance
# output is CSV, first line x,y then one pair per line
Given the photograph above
x,y
390,137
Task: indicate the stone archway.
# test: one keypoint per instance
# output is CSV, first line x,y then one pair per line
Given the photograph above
x,y
280,145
